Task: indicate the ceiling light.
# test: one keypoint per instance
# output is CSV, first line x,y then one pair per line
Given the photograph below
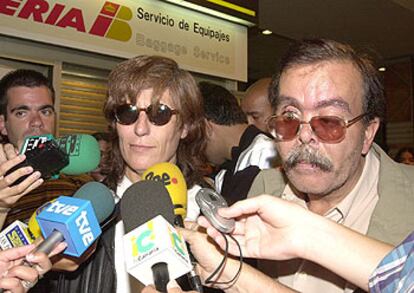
x,y
266,32
382,69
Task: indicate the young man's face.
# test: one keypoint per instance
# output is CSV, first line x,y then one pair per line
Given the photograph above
x,y
30,112
324,89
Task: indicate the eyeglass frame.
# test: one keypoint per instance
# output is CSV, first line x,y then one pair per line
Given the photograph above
x,y
347,124
146,110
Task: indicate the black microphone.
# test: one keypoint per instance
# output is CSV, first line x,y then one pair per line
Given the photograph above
x,y
152,246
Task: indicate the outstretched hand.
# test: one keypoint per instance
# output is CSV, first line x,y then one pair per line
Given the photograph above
x,y
266,227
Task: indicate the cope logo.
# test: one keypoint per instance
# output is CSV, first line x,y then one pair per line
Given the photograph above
x,y
111,22
164,178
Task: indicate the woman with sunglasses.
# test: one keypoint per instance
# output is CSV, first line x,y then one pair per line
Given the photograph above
x,y
155,114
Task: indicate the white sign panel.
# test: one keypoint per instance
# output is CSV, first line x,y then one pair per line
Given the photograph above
x,y
198,42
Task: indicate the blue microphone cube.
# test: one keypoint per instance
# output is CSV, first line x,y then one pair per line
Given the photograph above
x,y
75,219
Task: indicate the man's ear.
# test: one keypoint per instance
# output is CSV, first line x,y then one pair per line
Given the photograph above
x,y
209,128
370,132
3,129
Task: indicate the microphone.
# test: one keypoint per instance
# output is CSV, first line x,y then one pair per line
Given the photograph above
x,y
33,225
83,151
15,235
173,180
152,245
76,219
72,155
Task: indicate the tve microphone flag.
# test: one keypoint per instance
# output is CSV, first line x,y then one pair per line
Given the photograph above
x,y
150,239
76,219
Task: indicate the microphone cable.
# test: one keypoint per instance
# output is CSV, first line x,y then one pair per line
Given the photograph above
x,y
193,278
221,266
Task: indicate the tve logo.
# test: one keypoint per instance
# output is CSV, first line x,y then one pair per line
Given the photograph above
x,y
60,208
111,21
85,231
75,219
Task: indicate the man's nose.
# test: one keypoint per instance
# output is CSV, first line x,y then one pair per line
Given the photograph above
x,y
306,134
36,120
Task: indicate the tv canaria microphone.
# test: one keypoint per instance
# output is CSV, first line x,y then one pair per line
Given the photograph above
x,y
154,251
173,180
75,220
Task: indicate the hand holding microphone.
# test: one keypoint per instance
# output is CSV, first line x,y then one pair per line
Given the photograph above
x,y
17,277
9,193
70,155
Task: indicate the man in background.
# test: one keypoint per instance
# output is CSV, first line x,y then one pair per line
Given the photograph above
x,y
256,104
328,105
27,108
238,150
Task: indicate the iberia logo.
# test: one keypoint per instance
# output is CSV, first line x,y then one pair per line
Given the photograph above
x,y
111,23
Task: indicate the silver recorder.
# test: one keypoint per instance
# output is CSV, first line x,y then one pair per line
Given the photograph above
x,y
209,202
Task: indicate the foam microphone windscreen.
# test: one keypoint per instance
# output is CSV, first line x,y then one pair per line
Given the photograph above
x,y
100,196
144,200
83,151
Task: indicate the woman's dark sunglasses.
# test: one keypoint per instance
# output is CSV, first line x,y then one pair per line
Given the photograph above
x,y
158,114
329,129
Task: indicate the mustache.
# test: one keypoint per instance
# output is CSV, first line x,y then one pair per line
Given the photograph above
x,y
306,154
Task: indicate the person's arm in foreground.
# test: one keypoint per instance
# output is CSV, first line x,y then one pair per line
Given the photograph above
x,y
209,256
272,228
17,277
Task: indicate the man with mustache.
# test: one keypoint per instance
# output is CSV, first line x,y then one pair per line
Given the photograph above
x,y
329,103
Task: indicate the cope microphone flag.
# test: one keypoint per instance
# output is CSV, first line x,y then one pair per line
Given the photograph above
x,y
76,219
154,251
173,180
